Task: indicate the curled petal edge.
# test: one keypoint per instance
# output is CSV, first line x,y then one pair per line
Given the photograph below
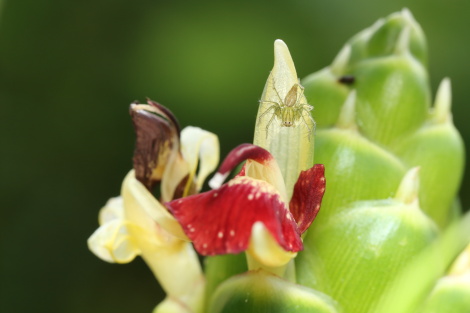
x,y
112,243
260,164
199,146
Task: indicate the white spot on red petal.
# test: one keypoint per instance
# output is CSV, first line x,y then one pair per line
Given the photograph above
x,y
215,194
250,196
220,234
232,233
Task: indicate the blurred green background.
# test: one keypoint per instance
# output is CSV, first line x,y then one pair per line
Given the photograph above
x,y
68,71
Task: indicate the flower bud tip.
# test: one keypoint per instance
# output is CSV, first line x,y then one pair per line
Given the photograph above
x,y
409,187
462,264
284,73
442,103
403,41
338,67
368,32
347,116
408,16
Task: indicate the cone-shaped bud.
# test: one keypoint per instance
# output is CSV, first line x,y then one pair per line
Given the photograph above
x,y
284,125
259,291
374,238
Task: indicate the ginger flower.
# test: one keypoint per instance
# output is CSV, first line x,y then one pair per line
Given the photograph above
x,y
136,223
251,212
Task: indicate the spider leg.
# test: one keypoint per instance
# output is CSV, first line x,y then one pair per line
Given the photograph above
x,y
307,107
277,93
267,110
270,121
303,110
263,101
299,95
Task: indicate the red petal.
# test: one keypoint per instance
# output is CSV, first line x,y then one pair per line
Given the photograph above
x,y
220,221
307,196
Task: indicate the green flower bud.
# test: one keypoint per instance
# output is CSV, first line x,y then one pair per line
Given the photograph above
x,y
381,38
260,291
357,253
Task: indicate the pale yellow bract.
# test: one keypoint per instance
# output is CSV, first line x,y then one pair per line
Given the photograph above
x,y
292,147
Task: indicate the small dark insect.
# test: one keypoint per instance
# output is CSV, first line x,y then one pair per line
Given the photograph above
x,y
289,111
347,79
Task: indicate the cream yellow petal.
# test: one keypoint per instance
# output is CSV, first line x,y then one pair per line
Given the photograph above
x,y
141,208
112,243
199,146
264,252
175,171
113,209
178,270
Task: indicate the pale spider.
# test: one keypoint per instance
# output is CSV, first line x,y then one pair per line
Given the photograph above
x,y
290,111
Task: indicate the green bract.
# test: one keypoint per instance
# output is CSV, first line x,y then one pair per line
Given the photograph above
x,y
256,292
356,253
